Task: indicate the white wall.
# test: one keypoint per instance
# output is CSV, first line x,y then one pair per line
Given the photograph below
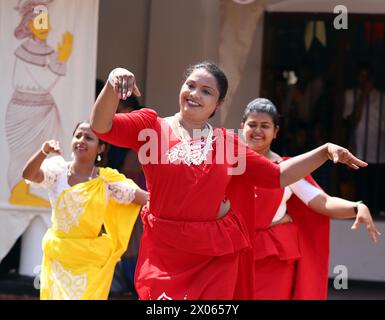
x,y
182,33
363,259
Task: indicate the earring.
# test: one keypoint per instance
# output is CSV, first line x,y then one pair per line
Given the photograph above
x,y
98,158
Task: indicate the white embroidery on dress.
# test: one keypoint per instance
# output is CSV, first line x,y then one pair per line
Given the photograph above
x,y
65,285
122,192
50,177
69,209
191,151
53,169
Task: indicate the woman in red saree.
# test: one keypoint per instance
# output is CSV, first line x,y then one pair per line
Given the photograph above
x,y
289,226
192,239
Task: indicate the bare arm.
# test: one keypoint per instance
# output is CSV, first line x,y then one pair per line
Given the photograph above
x,y
302,165
31,170
120,85
339,208
141,197
104,109
333,207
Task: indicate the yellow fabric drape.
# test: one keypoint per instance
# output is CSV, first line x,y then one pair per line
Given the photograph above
x,y
77,263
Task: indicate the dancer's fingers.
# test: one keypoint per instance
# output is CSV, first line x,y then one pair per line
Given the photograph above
x,y
124,88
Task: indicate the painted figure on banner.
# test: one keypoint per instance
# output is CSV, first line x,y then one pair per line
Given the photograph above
x,y
32,115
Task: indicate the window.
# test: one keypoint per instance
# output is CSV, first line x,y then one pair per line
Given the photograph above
x,y
328,85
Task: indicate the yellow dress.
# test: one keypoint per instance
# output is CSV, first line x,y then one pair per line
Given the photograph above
x,y
78,263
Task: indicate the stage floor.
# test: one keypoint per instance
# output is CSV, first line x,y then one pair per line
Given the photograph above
x,y
16,287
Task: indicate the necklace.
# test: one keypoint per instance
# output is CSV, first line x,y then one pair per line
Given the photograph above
x,y
191,151
70,171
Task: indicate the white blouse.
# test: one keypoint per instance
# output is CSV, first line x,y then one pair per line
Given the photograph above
x,y
303,190
56,181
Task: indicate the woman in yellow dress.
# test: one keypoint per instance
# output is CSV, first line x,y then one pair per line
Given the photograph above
x,y
93,212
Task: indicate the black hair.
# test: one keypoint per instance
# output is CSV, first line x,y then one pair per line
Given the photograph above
x,y
100,141
131,102
99,84
261,105
218,74
212,68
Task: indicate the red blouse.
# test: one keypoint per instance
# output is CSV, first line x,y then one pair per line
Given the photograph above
x,y
179,191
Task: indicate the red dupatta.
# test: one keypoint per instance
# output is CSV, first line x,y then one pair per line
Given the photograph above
x,y
314,236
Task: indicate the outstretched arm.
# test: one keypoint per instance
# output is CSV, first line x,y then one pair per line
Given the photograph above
x,y
302,165
339,208
120,85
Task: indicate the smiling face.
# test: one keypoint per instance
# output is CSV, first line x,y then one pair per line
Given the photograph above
x,y
85,144
199,96
259,131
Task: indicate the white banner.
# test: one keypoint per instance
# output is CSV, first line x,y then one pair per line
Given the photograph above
x,y
48,51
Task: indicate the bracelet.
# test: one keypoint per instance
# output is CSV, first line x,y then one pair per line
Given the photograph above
x,y
356,206
110,76
43,152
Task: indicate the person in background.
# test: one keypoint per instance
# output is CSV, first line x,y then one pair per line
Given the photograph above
x,y
93,212
365,114
290,247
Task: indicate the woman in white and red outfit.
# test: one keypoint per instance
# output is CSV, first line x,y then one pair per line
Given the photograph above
x,y
289,258
192,239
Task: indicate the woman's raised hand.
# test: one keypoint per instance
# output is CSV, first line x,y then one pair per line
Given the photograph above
x,y
123,82
337,153
364,217
51,146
